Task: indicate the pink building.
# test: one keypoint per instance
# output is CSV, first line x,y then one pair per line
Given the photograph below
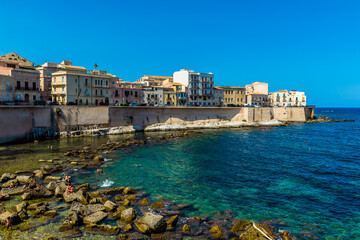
x,y
121,94
26,79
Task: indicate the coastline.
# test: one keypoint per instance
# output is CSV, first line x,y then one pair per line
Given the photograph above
x,y
174,224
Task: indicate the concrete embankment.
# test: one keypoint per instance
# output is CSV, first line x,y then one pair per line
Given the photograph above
x,y
27,123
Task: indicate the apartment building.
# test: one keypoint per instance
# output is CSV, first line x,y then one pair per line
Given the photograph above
x,y
200,86
232,96
153,96
82,88
24,79
125,94
284,98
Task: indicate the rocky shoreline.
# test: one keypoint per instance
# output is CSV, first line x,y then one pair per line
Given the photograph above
x,y
167,127
121,212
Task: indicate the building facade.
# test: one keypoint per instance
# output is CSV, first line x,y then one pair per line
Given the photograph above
x,y
200,86
232,96
78,88
25,79
153,96
283,98
257,100
125,94
6,88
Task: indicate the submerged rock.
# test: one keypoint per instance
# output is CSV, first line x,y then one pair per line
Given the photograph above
x,y
157,205
128,215
95,218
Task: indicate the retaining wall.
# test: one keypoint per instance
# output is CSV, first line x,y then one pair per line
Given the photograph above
x,y
26,123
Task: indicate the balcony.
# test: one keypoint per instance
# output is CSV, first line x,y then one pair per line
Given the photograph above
x,y
58,83
26,89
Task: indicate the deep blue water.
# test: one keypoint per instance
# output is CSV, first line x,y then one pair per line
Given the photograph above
x,y
313,187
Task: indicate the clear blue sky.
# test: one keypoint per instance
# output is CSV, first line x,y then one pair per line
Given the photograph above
x,y
312,46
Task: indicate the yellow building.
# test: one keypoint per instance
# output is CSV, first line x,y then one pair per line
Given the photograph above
x,y
232,95
169,96
82,88
152,81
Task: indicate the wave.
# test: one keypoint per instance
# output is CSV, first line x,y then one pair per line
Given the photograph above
x,y
107,184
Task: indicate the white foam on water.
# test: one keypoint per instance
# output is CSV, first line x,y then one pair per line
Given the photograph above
x,y
107,159
107,184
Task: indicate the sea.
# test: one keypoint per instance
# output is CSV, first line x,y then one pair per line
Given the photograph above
x,y
304,178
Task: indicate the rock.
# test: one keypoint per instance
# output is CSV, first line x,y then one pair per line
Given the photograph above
x,y
23,215
186,229
98,158
51,186
117,214
85,187
12,191
21,206
74,218
110,206
60,189
142,227
39,192
156,223
69,197
52,179
39,174
34,206
181,206
81,196
240,226
128,228
129,190
285,235
14,218
47,168
23,178
171,223
94,194
6,177
4,197
112,191
13,182
95,208
66,225
251,234
50,213
128,215
157,205
126,202
216,232
144,202
95,217
2,208
104,229
40,210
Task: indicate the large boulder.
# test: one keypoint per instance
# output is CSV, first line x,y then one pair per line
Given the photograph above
x,y
81,196
52,179
128,215
39,192
85,187
110,206
2,208
95,218
240,226
98,158
157,205
129,190
171,223
60,189
216,232
69,197
12,191
91,208
23,178
51,186
156,223
34,206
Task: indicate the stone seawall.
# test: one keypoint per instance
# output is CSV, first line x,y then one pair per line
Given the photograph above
x,y
27,123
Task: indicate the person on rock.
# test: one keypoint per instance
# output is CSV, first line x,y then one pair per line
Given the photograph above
x,y
8,224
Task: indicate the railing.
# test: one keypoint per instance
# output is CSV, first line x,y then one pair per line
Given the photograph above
x,y
27,89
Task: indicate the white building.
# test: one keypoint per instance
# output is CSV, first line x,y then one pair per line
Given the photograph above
x,y
152,96
200,86
283,98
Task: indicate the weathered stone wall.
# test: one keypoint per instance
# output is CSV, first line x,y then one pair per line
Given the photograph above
x,y
20,124
26,123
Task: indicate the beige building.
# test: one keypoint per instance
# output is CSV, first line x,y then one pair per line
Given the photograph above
x,y
152,81
232,95
82,88
49,68
153,96
257,87
257,100
25,79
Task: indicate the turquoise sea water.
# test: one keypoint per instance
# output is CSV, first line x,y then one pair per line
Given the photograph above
x,y
304,178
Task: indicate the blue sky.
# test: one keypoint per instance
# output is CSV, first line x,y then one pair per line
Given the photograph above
x,y
312,46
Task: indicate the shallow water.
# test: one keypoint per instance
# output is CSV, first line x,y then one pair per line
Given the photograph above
x,y
304,178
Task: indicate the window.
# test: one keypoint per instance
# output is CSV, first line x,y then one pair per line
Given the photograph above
x,y
136,94
96,92
34,97
80,90
62,79
95,82
101,92
86,91
86,82
75,80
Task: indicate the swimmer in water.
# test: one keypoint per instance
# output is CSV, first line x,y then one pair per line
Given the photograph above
x,y
107,180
